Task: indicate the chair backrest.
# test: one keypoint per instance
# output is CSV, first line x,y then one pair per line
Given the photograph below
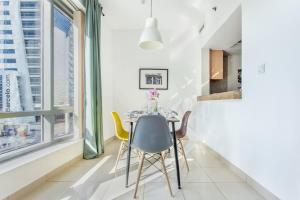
x,y
120,131
152,134
182,131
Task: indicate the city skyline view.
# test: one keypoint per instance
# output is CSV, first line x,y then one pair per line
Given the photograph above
x,y
21,71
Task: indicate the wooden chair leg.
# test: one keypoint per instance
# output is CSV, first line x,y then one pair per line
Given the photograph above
x,y
184,156
119,156
166,175
139,175
166,153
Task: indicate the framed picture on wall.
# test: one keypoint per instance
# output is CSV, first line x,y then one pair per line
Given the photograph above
x,y
153,78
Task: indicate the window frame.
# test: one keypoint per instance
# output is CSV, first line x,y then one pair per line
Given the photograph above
x,y
48,109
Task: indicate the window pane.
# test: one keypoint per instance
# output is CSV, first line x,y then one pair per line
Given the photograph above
x,y
5,22
16,133
7,51
35,90
6,32
4,3
63,125
36,99
30,24
32,43
4,41
34,71
63,59
4,12
33,52
33,60
31,33
29,5
35,80
18,57
29,14
8,60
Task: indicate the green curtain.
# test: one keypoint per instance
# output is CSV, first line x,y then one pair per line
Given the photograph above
x,y
93,137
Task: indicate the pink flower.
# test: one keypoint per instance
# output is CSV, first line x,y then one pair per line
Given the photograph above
x,y
153,93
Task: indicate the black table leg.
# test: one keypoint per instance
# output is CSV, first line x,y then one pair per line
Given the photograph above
x,y
129,153
176,155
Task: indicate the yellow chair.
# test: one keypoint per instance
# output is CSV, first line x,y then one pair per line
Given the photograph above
x,y
121,134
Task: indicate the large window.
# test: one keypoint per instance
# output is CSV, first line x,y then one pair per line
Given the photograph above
x,y
63,70
36,75
19,132
63,59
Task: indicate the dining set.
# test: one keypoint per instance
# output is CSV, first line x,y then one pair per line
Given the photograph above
x,y
152,136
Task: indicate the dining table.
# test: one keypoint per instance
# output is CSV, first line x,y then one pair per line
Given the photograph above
x,y
172,120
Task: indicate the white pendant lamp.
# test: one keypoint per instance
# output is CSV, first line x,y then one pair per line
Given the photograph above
x,y
151,38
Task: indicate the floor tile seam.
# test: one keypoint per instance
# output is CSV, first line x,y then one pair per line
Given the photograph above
x,y
197,181
184,198
226,168
210,178
54,181
246,183
219,189
229,181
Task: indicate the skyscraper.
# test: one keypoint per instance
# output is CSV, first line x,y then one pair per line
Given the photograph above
x,y
30,19
20,55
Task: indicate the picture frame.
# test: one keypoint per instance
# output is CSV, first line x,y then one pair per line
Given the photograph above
x,y
150,78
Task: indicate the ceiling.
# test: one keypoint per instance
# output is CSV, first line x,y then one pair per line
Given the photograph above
x,y
171,14
228,34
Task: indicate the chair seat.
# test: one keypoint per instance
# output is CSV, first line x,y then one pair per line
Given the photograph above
x,y
123,136
179,134
151,134
121,133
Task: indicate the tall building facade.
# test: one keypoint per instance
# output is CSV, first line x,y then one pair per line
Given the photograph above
x,y
20,55
31,26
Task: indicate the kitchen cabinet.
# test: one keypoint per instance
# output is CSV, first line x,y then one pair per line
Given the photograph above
x,y
216,64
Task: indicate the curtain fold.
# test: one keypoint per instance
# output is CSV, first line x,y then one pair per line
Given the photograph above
x,y
93,137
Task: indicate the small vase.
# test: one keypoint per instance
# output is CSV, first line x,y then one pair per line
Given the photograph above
x,y
153,106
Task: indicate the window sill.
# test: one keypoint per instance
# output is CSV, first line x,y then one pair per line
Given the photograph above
x,y
14,163
236,94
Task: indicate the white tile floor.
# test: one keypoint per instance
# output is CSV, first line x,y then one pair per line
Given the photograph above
x,y
208,179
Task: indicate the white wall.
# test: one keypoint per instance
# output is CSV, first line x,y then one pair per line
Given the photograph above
x,y
107,80
181,56
260,133
234,63
205,72
214,20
